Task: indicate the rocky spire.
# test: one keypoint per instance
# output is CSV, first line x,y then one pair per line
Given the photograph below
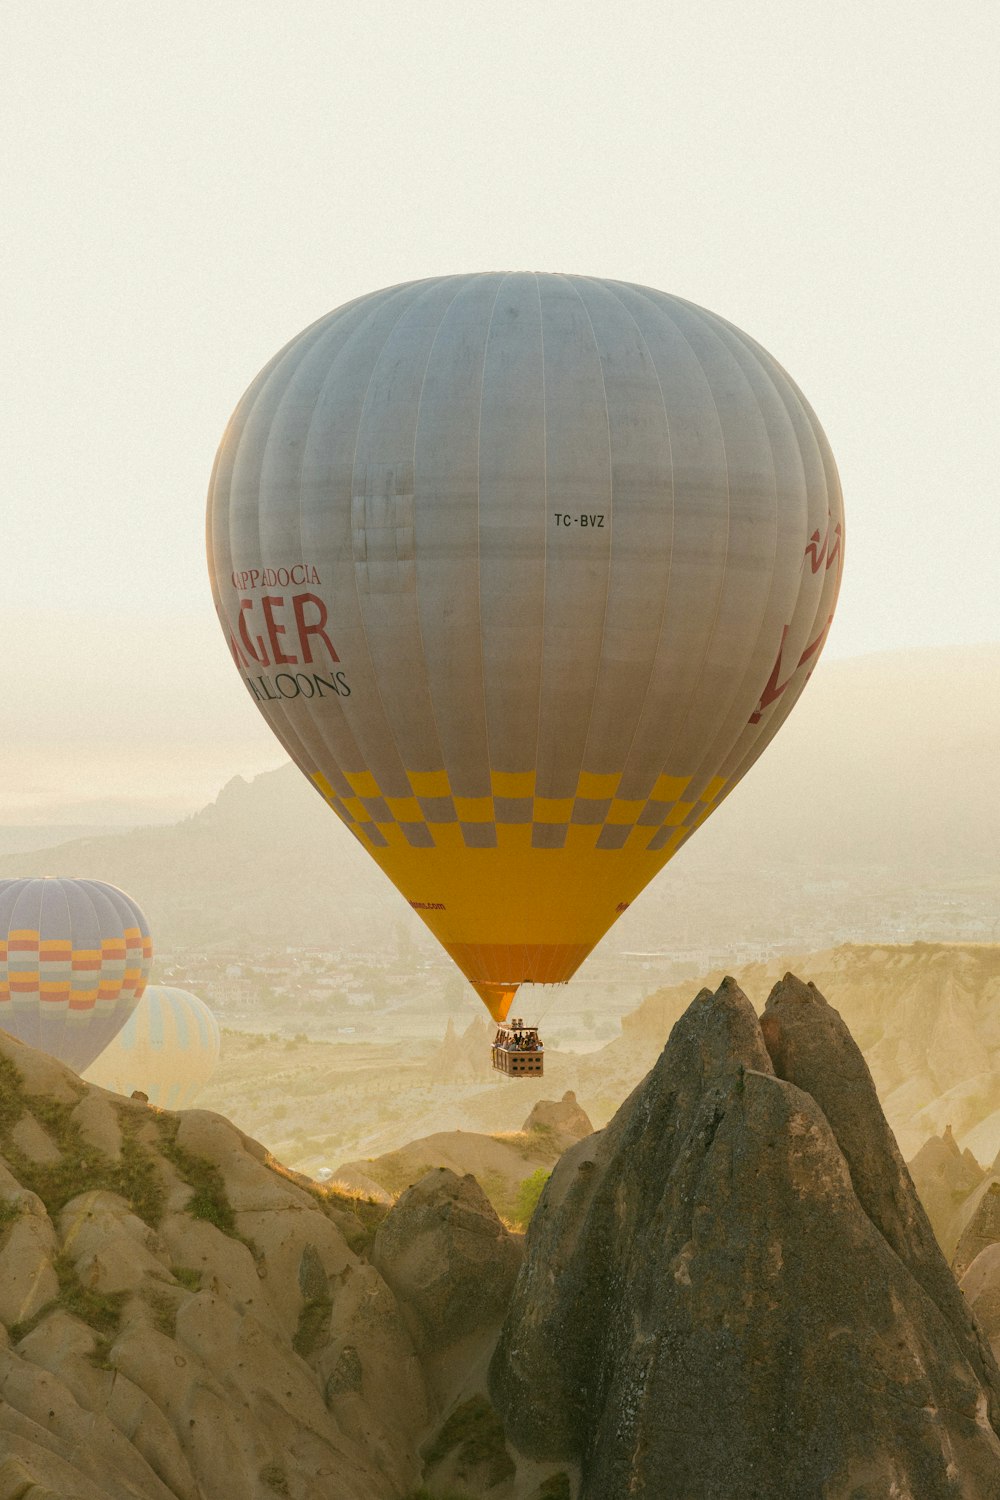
x,y
944,1177
732,1290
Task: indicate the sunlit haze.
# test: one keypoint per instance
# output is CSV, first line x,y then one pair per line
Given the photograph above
x,y
186,187
516,1010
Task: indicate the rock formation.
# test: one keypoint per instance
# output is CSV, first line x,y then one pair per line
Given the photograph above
x,y
944,1176
981,1286
978,1222
183,1319
564,1120
448,1258
924,1014
463,1056
500,1163
732,1291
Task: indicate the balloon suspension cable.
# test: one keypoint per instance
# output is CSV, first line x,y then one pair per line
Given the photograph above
x,y
499,1000
541,1010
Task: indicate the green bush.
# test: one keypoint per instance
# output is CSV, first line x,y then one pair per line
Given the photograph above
x,y
101,1311
164,1311
209,1200
11,1095
528,1195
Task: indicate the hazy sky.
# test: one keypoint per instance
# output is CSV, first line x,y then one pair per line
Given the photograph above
x,y
186,186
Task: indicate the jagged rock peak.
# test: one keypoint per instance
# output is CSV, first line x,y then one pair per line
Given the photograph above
x,y
944,1178
230,796
720,1298
564,1116
464,1053
812,1048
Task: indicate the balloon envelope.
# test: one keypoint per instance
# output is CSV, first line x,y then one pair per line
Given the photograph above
x,y
524,571
168,1048
74,959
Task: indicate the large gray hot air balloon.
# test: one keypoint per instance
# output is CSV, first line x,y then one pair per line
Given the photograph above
x,y
525,571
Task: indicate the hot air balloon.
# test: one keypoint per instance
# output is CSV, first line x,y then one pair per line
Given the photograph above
x,y
74,959
524,571
168,1049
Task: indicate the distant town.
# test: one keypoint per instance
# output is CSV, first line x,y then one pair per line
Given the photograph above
x,y
406,989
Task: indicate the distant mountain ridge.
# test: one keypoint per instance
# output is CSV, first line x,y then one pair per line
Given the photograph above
x,y
265,859
885,766
24,837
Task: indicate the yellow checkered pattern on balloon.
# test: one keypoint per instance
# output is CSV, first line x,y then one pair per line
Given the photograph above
x,y
515,816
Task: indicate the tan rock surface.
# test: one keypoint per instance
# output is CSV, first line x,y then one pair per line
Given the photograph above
x,y
42,1074
67,1443
352,1177
225,1265
111,1248
182,1318
448,1257
981,1285
98,1122
979,1223
27,1280
28,1245
185,1318
34,1141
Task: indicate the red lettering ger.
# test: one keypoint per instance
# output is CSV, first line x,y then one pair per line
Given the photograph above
x,y
310,626
318,627
267,604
